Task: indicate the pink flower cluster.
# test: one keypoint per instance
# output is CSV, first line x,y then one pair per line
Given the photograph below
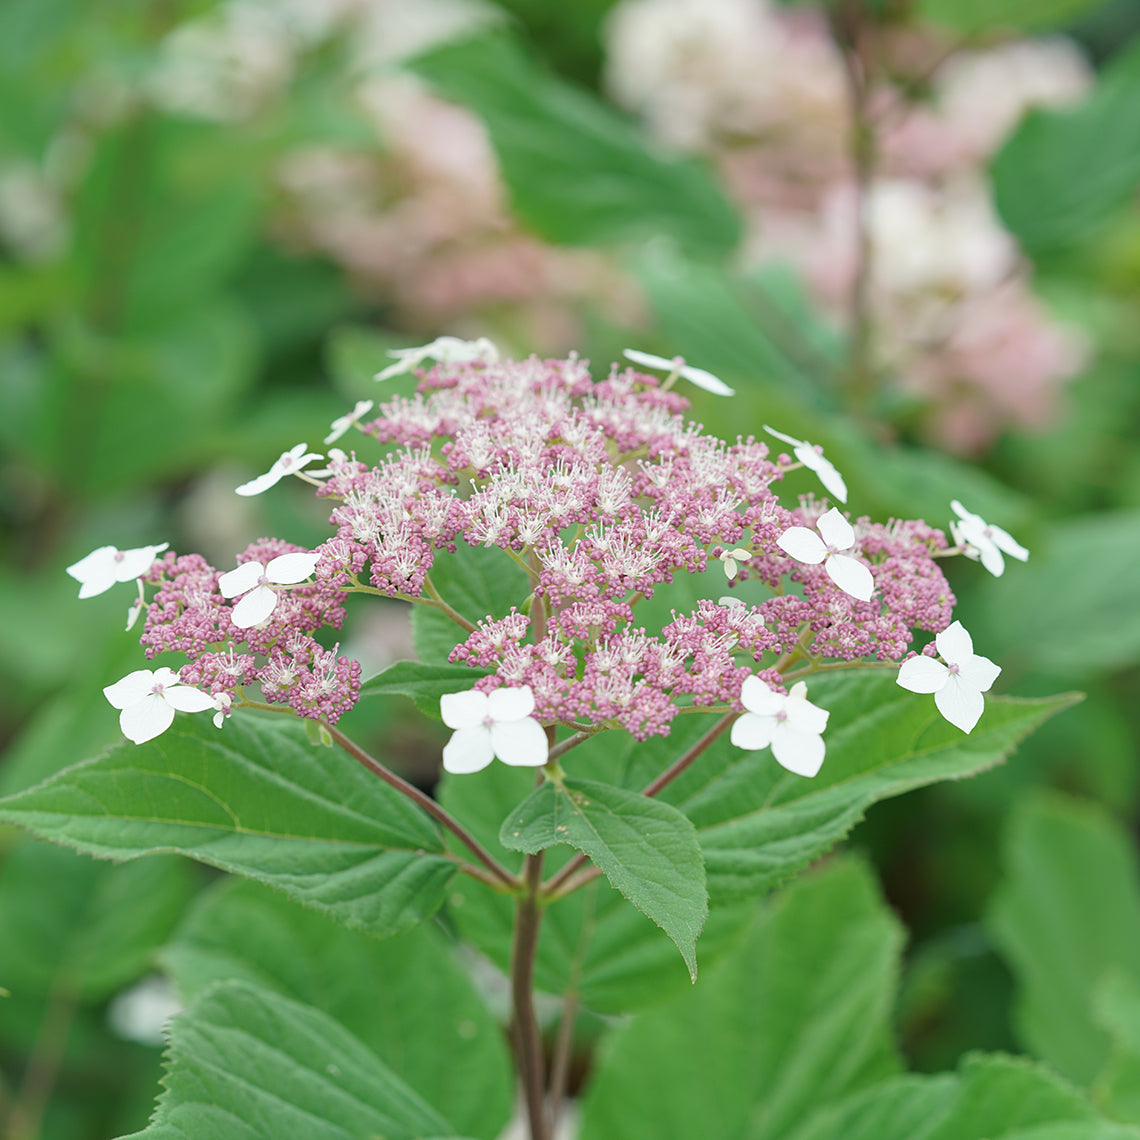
x,y
188,614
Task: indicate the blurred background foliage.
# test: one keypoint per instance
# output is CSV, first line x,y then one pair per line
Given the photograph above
x,y
217,217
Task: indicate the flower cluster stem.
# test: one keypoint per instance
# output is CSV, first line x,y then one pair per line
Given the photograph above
x,y
525,1035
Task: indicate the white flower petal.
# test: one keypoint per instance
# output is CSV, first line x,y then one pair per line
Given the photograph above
x,y
991,557
245,577
521,743
979,672
468,750
95,572
1005,541
146,719
254,608
131,689
260,484
851,576
954,644
828,475
752,732
805,717
707,381
786,438
463,710
137,562
185,698
649,360
286,569
802,544
836,530
510,704
758,698
959,703
799,752
963,514
923,675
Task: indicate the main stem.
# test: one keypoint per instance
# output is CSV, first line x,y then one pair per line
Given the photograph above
x,y
525,1035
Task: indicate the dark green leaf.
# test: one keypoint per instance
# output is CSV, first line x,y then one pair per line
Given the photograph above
x,y
256,800
406,998
647,849
248,1064
579,173
798,1015
425,684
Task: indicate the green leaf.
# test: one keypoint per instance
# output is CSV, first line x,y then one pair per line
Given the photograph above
x,y
248,1064
1090,562
647,849
425,684
1063,172
252,799
759,824
1116,1008
970,16
94,930
798,1015
579,173
406,998
477,581
1066,917
902,1108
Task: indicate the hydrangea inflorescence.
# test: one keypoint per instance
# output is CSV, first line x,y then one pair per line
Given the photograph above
x,y
602,492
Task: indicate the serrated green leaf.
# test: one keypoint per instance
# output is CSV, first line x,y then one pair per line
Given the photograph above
x,y
248,1064
94,930
258,801
406,998
1066,916
647,849
578,172
1062,172
796,1016
477,581
425,684
902,1108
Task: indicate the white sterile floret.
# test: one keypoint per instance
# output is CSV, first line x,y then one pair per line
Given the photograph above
x,y
815,461
446,350
288,463
98,571
678,367
848,573
731,559
791,724
492,725
343,423
958,684
260,602
980,540
148,700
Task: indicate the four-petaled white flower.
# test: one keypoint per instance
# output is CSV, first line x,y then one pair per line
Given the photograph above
x,y
486,726
791,724
848,573
815,461
980,540
731,558
148,700
678,367
445,349
260,602
959,684
288,463
98,571
343,423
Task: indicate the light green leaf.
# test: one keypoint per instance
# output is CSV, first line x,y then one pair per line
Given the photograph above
x,y
902,1108
1116,1008
425,684
798,1015
406,998
647,849
1061,174
81,927
477,581
970,16
248,1064
1091,560
1066,917
579,173
252,799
